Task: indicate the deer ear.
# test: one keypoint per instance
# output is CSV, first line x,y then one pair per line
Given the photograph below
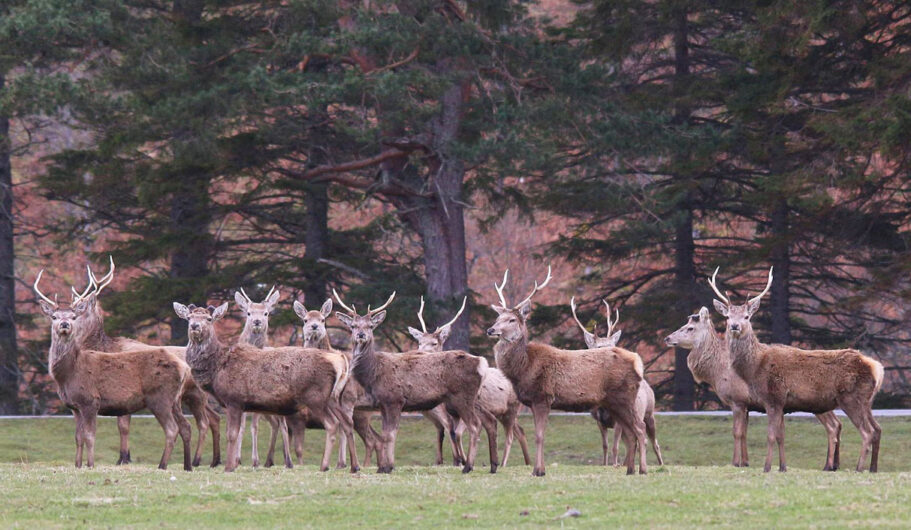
x,y
273,299
181,310
377,318
704,314
590,340
615,338
444,334
326,310
499,309
47,308
240,300
721,307
220,311
753,306
300,310
525,309
418,335
80,307
345,319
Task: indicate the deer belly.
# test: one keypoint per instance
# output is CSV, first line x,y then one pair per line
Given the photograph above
x,y
119,407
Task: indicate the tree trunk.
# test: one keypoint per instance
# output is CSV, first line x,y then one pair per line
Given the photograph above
x,y
190,219
9,353
316,241
780,256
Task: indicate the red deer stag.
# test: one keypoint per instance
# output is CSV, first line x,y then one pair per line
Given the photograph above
x,y
645,400
283,381
710,362
256,333
412,381
496,399
91,382
785,379
93,337
545,377
316,336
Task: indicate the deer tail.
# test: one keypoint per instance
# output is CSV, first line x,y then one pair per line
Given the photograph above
x,y
341,378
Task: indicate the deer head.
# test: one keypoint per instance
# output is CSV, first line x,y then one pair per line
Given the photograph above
x,y
361,326
695,332
510,324
314,327
433,342
257,314
201,320
93,319
738,316
592,340
63,321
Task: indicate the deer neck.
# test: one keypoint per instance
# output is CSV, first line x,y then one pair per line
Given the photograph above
x,y
62,358
203,359
93,337
259,340
321,344
744,352
363,363
512,357
709,360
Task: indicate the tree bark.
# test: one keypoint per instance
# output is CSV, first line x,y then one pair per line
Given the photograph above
x,y
316,241
780,256
9,352
190,219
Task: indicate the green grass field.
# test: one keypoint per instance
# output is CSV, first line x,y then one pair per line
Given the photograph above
x,y
41,488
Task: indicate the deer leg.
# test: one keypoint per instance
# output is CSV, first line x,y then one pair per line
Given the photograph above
x,y
123,427
391,417
286,441
254,437
629,440
346,423
615,448
330,423
80,436
298,426
214,421
273,438
235,423
605,440
540,412
434,417
164,413
186,433
489,422
744,451
509,428
652,433
195,400
776,418
523,443
826,420
370,437
455,435
89,420
639,430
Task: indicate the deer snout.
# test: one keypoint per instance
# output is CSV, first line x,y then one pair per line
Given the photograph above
x,y
735,327
361,336
64,325
257,323
194,326
491,332
314,327
669,341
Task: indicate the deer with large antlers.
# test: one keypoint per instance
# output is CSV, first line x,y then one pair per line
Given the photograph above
x,y
785,379
92,382
645,399
283,381
548,378
496,399
354,396
91,335
710,362
256,333
412,381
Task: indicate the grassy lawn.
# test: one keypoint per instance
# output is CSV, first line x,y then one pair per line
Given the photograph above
x,y
40,486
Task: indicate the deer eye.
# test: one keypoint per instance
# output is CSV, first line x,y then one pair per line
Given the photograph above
x,y
53,317
209,319
690,328
266,314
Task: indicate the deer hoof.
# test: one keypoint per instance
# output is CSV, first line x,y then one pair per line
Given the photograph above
x,y
467,468
537,473
196,462
355,469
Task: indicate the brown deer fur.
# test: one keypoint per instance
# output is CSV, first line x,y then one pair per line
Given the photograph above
x,y
256,333
645,400
413,382
91,336
548,378
272,380
354,396
786,379
710,362
114,384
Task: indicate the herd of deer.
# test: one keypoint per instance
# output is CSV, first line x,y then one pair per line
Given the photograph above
x,y
315,386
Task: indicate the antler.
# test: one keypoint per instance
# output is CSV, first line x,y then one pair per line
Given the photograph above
x,y
39,293
245,295
500,287
338,298
768,286
715,287
384,306
77,296
421,316
537,288
270,292
610,325
456,317
572,307
95,285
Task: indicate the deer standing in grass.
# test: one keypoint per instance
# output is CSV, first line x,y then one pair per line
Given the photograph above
x,y
91,336
412,381
496,399
548,378
645,400
316,336
785,379
272,380
91,382
256,333
710,362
